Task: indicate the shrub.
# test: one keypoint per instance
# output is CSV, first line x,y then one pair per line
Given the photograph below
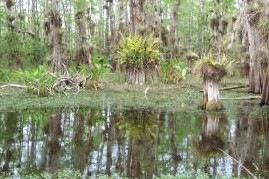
x,y
173,71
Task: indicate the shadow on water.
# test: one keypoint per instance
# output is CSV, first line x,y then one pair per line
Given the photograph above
x,y
133,142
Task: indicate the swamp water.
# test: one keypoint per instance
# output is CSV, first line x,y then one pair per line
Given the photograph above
x,y
134,142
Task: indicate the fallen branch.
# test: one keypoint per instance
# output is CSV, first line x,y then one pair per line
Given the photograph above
x,y
231,87
243,98
70,82
13,85
234,87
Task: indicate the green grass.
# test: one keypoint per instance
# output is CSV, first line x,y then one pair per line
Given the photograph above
x,y
157,96
162,96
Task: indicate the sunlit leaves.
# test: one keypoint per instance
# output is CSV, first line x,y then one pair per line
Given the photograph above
x,y
39,81
137,51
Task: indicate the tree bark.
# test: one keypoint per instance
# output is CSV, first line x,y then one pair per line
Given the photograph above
x,y
265,87
211,78
265,90
173,32
14,59
255,84
137,17
56,38
211,95
84,51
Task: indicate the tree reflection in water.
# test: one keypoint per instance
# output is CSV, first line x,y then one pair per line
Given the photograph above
x,y
250,143
54,133
9,150
140,127
133,142
211,141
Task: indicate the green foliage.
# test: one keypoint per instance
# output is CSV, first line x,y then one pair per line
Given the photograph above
x,y
2,16
173,71
139,51
84,69
39,81
99,65
6,75
60,174
11,48
81,5
30,51
208,60
35,51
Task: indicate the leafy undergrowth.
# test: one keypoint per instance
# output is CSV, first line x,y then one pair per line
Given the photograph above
x,y
184,95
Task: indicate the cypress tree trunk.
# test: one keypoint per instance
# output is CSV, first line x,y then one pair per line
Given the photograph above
x,y
211,78
265,59
56,38
14,56
173,32
265,90
137,17
84,51
250,23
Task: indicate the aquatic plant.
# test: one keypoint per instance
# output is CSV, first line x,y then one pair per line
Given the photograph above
x,y
5,75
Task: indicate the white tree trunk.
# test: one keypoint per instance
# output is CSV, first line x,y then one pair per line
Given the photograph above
x,y
212,91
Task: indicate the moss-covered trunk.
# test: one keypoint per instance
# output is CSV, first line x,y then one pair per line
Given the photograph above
x,y
83,25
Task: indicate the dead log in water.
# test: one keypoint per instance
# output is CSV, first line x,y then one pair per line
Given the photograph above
x,y
231,87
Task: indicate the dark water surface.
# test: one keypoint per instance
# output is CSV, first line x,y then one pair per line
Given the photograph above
x,y
134,142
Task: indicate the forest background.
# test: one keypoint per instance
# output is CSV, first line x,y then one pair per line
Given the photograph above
x,y
77,40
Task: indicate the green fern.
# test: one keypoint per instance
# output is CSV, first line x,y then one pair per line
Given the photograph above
x,y
137,51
